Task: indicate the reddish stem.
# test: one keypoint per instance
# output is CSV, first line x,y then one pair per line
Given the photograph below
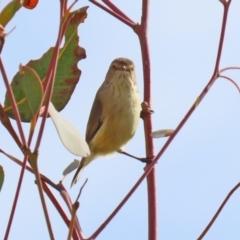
x,y
60,188
19,125
8,125
63,8
119,17
125,199
117,10
218,212
16,198
229,68
142,32
207,87
13,103
60,210
231,80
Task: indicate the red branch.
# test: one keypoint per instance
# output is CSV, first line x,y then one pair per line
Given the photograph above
x,y
60,188
19,125
207,87
218,212
13,102
142,31
114,14
117,10
230,80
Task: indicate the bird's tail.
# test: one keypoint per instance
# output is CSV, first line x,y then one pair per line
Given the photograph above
x,y
78,173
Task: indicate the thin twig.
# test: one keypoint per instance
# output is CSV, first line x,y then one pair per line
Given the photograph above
x,y
7,124
80,191
121,204
231,80
218,212
13,102
23,140
69,204
14,205
59,187
71,227
33,159
76,235
142,32
74,208
207,87
229,68
117,10
126,21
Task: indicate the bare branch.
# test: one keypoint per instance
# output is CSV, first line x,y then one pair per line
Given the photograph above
x,y
218,212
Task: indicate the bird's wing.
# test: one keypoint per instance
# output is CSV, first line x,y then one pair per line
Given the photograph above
x,y
94,121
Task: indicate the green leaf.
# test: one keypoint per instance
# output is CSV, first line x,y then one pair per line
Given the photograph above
x,y
9,11
68,73
1,177
28,92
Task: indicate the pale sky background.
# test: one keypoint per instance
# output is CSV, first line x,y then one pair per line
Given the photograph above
x,y
200,166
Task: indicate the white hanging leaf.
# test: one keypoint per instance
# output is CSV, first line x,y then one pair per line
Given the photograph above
x,y
72,166
68,134
162,133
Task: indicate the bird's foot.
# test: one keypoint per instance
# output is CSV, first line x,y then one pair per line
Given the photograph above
x,y
147,160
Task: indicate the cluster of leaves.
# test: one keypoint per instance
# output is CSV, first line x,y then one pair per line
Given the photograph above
x,y
43,87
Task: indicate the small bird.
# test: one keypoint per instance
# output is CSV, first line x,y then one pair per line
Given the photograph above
x,y
115,113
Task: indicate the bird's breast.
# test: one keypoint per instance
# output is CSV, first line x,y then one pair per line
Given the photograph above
x,y
120,116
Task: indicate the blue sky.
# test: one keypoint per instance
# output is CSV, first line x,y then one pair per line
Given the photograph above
x,y
200,166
